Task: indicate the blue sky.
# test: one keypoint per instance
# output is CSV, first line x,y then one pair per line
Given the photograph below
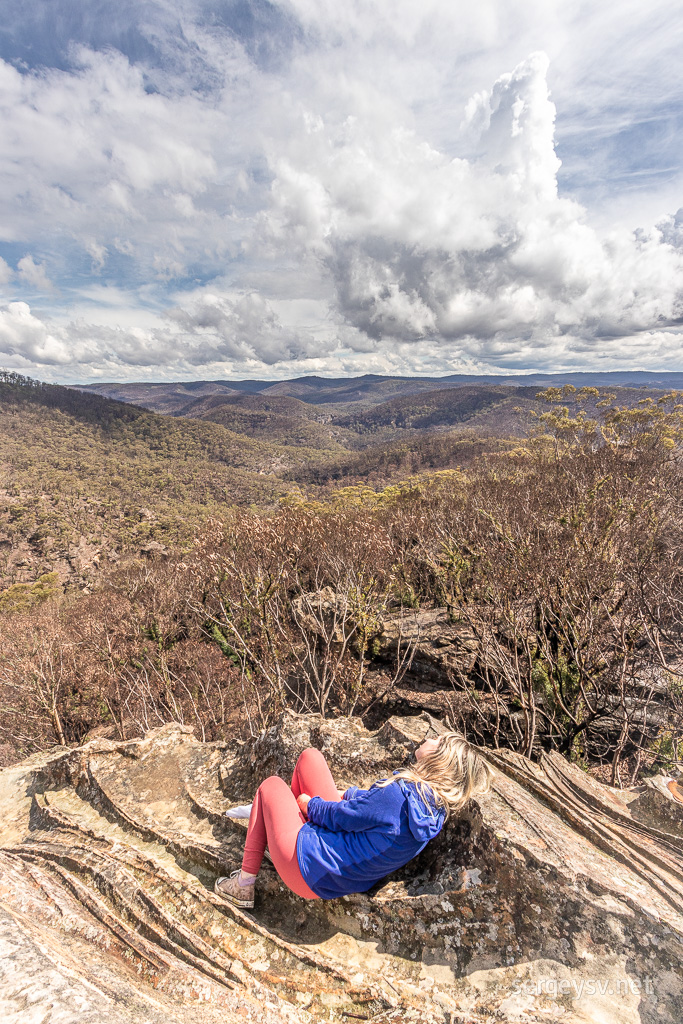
x,y
195,189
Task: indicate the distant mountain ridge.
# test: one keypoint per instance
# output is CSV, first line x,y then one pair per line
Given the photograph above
x,y
370,389
89,477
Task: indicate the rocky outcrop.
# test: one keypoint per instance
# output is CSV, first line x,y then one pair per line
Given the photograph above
x,y
552,898
441,646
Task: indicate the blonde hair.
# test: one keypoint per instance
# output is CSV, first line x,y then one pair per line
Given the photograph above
x,y
448,777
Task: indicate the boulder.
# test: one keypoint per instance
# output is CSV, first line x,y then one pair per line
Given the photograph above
x,y
551,898
154,547
442,646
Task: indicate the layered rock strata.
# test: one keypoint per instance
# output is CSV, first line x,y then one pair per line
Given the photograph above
x,y
552,898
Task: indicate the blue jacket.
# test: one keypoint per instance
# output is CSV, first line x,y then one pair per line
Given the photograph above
x,y
348,845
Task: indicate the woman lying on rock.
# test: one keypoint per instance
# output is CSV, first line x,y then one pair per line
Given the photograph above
x,y
325,844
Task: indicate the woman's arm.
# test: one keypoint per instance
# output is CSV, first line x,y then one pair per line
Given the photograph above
x,y
346,794
367,809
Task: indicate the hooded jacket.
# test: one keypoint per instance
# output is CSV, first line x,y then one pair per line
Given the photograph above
x,y
348,845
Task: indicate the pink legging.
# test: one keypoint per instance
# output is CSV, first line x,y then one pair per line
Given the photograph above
x,y
276,820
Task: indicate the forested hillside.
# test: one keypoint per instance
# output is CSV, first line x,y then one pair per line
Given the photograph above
x,y
84,478
510,560
289,420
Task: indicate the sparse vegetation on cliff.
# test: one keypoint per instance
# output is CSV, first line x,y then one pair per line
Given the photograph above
x,y
555,559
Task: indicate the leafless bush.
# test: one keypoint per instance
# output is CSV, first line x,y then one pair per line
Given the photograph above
x,y
562,559
298,603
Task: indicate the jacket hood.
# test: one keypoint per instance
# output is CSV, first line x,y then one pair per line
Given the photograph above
x,y
425,821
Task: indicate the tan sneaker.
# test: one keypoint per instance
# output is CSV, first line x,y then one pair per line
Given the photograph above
x,y
231,891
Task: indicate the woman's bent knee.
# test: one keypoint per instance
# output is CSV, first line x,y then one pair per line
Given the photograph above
x,y
311,754
273,784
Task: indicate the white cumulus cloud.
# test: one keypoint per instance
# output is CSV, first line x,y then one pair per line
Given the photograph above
x,y
478,253
34,274
239,328
308,185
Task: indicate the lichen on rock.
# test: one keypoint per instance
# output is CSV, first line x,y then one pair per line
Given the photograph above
x,y
550,898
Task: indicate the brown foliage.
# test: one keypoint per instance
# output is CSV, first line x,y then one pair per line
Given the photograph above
x,y
124,659
561,558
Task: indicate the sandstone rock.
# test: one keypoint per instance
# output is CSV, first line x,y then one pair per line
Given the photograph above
x,y
441,646
552,898
324,614
154,548
658,802
81,556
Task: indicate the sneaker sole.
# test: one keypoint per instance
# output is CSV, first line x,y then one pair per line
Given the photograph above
x,y
242,904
